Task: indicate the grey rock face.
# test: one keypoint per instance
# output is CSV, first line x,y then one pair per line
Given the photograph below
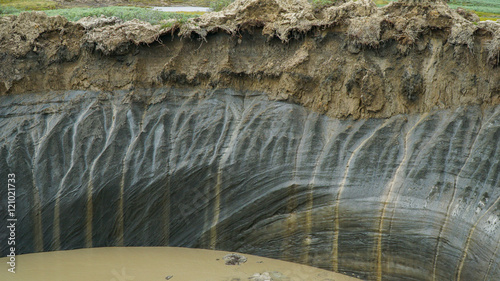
x,y
407,198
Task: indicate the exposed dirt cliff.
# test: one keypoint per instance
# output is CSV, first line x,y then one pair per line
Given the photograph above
x,y
348,60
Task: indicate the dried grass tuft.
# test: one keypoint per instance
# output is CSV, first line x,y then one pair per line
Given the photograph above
x,y
409,30
463,34
115,39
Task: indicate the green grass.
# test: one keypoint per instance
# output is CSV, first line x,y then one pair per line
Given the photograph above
x,y
488,16
218,5
124,13
483,6
319,4
6,10
485,9
33,5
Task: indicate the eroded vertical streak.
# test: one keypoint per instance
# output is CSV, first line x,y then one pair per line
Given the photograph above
x,y
392,184
492,260
335,248
216,211
175,127
308,220
89,214
450,204
217,188
166,203
120,221
38,229
469,239
57,204
121,217
37,208
89,219
310,201
166,212
56,229
207,226
397,198
218,184
291,219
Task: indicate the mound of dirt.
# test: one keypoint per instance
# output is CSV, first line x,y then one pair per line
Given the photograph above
x,y
19,34
47,39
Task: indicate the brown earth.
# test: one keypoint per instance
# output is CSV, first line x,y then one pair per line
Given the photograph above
x,y
352,60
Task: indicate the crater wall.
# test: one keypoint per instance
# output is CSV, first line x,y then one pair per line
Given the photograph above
x,y
411,197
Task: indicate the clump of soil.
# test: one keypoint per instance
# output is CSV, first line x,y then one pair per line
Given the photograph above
x,y
276,18
117,38
20,34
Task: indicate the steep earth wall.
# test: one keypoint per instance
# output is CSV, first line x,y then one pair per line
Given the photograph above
x,y
412,197
356,138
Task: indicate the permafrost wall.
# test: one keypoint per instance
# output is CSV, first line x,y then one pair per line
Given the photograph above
x,y
412,197
358,139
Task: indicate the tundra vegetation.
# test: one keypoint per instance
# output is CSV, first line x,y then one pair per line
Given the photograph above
x,y
139,9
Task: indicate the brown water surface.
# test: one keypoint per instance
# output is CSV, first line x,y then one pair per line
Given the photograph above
x,y
154,263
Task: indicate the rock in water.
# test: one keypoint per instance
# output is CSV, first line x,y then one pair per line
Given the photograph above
x,y
234,259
